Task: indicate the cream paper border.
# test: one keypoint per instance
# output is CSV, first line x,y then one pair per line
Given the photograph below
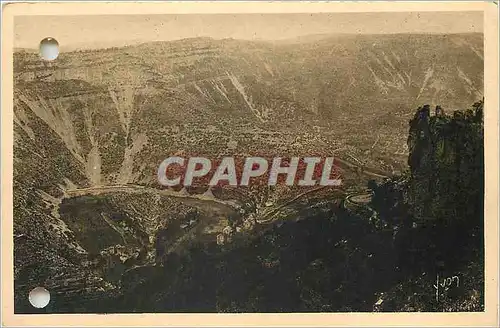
x,y
487,318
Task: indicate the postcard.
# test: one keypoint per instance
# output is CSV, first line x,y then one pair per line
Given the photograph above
x,y
250,164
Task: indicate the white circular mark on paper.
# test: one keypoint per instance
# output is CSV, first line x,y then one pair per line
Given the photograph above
x,y
39,297
49,49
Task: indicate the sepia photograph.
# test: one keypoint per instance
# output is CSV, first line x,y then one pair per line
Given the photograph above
x,y
275,162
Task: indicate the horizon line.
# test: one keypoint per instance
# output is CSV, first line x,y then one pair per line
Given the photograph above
x,y
86,47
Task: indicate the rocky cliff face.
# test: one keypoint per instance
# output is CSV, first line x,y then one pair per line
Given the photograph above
x,y
436,210
447,164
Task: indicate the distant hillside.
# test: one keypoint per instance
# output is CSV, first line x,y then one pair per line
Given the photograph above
x,y
351,91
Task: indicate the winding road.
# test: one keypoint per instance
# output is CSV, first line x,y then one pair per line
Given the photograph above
x,y
360,200
133,189
353,199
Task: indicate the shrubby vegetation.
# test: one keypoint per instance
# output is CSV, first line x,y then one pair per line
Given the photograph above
x,y
332,259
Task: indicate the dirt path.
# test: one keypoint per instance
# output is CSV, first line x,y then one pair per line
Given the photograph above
x,y
129,188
